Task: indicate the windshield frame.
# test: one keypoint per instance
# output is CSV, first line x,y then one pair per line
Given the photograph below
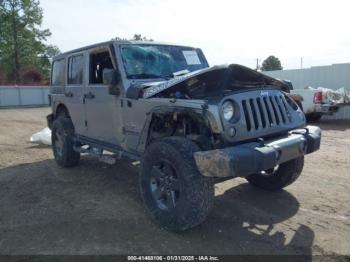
x,y
203,60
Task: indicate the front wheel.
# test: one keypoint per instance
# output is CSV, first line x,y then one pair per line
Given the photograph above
x,y
176,195
278,177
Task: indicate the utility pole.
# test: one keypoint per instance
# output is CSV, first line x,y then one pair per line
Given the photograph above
x,y
257,64
301,62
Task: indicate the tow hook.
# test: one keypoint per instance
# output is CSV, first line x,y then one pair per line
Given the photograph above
x,y
261,142
299,132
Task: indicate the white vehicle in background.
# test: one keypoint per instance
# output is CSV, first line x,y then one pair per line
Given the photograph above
x,y
320,101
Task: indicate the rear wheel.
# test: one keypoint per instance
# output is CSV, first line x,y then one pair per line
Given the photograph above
x,y
62,138
176,195
278,177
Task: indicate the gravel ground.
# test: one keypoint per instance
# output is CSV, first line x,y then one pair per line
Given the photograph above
x,y
96,209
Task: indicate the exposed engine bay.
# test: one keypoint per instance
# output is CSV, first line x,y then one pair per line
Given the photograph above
x,y
184,124
213,82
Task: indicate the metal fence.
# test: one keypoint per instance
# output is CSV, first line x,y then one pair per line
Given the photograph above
x,y
333,77
24,96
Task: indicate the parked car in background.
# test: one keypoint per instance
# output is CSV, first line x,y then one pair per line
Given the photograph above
x,y
316,102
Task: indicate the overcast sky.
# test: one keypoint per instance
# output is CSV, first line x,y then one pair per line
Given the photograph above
x,y
227,31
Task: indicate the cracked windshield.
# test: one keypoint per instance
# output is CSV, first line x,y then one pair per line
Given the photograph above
x,y
159,61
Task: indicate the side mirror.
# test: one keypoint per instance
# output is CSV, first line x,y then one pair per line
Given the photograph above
x,y
111,78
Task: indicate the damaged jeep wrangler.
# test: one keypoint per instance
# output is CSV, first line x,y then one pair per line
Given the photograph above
x,y
187,124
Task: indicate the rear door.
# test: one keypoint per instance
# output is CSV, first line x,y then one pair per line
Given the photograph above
x,y
75,89
102,109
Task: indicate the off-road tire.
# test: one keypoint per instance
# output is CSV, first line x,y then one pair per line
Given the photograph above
x,y
313,117
196,192
66,156
285,175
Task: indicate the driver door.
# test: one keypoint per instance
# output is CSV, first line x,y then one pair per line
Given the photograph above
x,y
102,109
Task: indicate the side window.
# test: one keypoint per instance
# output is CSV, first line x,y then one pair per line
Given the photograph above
x,y
57,75
75,70
99,62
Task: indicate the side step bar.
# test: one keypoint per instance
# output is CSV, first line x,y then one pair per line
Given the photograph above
x,y
98,152
96,148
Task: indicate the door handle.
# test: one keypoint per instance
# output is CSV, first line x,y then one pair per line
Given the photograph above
x,y
89,95
69,94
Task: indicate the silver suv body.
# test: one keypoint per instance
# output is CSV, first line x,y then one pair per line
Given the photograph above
x,y
189,124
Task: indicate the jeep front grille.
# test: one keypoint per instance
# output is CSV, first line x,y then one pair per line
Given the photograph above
x,y
264,112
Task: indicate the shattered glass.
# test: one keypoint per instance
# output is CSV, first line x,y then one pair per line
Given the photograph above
x,y
160,61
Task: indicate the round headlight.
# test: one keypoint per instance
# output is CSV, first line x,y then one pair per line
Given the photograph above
x,y
228,110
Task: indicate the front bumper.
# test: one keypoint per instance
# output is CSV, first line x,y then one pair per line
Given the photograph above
x,y
326,109
250,158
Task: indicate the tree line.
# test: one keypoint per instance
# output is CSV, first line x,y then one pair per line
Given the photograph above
x,y
24,54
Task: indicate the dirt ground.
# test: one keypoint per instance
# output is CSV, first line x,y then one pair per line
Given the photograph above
x,y
96,209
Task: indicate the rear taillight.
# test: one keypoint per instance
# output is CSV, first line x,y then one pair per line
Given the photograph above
x,y
318,98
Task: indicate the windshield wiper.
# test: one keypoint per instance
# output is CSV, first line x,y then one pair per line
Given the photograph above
x,y
147,76
181,72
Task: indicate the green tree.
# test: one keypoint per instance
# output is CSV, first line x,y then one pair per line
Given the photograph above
x,y
136,37
271,63
22,42
117,38
139,37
